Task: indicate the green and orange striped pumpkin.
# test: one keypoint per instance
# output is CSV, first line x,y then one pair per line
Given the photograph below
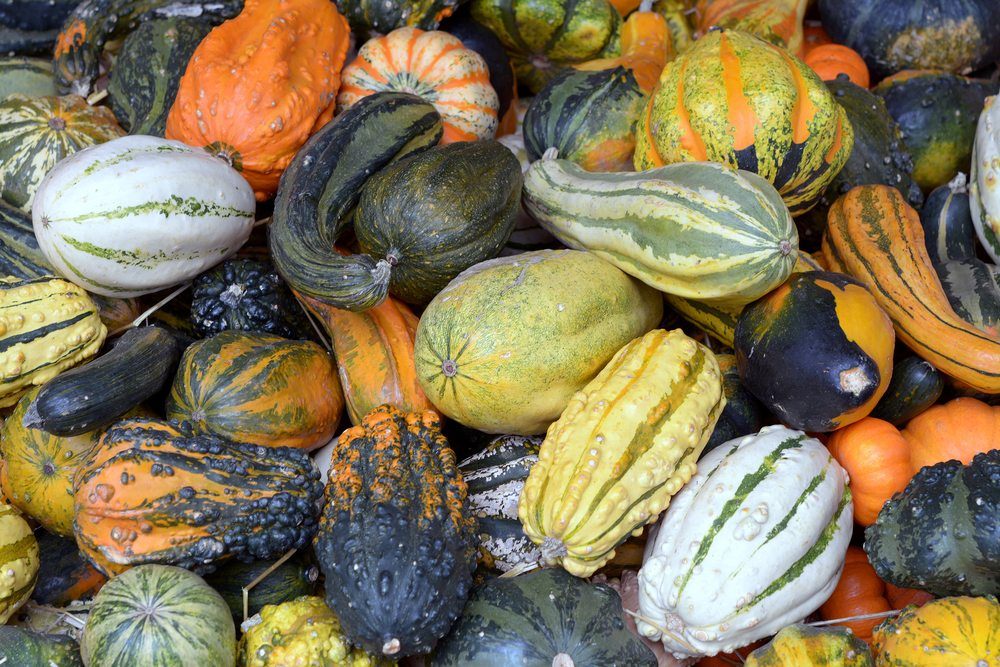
x,y
258,388
737,99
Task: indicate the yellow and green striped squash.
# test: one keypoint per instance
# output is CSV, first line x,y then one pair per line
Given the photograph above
x,y
737,99
806,646
697,230
18,561
624,445
950,632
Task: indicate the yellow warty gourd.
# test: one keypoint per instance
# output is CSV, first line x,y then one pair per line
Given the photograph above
x,y
623,447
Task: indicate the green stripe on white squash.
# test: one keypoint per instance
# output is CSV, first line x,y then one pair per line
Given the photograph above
x,y
984,186
697,230
140,214
754,542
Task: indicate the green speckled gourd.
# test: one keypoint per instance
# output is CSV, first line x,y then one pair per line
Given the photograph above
x,y
378,17
806,646
25,648
26,76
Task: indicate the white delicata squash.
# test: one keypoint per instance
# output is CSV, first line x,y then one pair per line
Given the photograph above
x,y
984,188
139,214
754,542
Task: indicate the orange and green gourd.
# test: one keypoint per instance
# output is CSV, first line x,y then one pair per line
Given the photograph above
x,y
950,632
805,646
647,47
777,21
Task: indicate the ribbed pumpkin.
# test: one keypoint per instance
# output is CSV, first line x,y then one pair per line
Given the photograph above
x,y
625,444
956,430
19,563
829,61
37,132
736,99
805,646
260,84
434,66
944,633
777,21
259,389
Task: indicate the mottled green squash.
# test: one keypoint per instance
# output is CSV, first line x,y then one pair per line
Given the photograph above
x,y
24,648
973,292
915,386
378,17
26,76
949,232
293,578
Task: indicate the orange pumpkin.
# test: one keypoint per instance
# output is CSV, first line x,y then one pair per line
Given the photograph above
x,y
877,458
435,66
777,21
900,598
959,429
626,7
859,592
813,35
831,60
258,85
646,48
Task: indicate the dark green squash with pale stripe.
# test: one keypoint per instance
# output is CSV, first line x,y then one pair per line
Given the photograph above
x,y
368,18
292,579
24,648
973,292
915,386
949,233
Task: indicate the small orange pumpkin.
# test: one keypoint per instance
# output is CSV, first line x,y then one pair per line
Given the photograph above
x,y
959,429
646,48
830,60
435,66
813,35
258,85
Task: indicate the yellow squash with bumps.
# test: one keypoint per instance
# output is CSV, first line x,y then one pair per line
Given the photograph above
x,y
625,444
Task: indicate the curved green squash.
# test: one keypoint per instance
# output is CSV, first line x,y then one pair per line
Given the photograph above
x,y
323,184
148,71
915,386
24,648
743,413
288,581
949,232
26,76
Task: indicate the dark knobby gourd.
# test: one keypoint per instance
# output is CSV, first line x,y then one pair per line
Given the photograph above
x,y
396,545
433,215
940,534
915,386
35,14
322,185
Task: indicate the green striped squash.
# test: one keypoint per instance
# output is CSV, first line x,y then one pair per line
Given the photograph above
x,y
20,255
158,616
18,561
753,543
949,232
280,583
695,230
915,386
26,76
38,132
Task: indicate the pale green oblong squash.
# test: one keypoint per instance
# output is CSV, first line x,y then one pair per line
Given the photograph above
x,y
697,230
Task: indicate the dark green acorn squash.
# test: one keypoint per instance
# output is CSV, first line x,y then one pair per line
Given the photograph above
x,y
937,114
24,648
495,477
396,543
915,386
482,40
322,185
369,18
941,534
431,216
973,292
148,71
27,76
947,221
893,35
743,413
64,575
35,14
290,580
589,117
546,618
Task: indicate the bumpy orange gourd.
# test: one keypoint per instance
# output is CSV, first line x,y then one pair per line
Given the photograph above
x,y
777,21
435,66
877,458
959,429
258,85
831,60
646,48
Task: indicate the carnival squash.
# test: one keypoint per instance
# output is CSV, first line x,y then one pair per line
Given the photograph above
x,y
646,48
260,583
779,22
973,291
19,646
957,430
258,85
807,646
946,216
829,61
944,633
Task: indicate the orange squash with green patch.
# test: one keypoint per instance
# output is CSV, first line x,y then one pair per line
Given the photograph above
x,y
646,48
817,351
778,21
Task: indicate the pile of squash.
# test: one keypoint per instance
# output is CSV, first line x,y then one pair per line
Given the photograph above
x,y
500,332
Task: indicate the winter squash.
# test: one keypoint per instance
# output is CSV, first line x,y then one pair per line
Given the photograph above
x,y
778,22
646,48
829,61
762,536
973,292
939,534
249,387
677,14
984,195
743,414
805,646
877,459
957,430
517,368
64,575
282,583
36,15
434,66
138,616
952,631
101,215
370,18
395,512
20,561
19,646
153,492
817,351
27,76
946,216
258,85
736,99
482,40
38,132
654,405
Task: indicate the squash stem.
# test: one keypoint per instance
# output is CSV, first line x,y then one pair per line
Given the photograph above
x,y
155,307
263,575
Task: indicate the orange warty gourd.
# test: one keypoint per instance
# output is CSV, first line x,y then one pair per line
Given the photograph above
x,y
877,458
258,85
831,60
434,66
959,429
777,21
646,48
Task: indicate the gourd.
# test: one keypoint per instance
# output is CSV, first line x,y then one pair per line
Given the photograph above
x,y
20,561
434,66
190,500
259,389
24,647
984,194
779,23
26,42
101,216
139,616
742,415
64,575
395,513
915,386
773,563
805,646
48,325
258,85
495,478
873,222
482,40
38,132
654,405
589,117
829,61
671,227
951,631
529,338
35,14
956,430
371,17
817,351
736,99
676,13
544,617
646,47
946,217
374,353
528,235
973,292
323,183
939,534
280,583
26,76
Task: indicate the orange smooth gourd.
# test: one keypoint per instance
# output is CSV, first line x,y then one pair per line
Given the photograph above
x,y
859,592
831,60
959,429
646,48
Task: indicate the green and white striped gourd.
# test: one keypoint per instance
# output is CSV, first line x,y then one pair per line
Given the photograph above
x,y
140,214
984,186
753,543
697,230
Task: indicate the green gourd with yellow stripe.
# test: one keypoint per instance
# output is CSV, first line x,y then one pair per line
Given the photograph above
x,y
806,646
737,99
